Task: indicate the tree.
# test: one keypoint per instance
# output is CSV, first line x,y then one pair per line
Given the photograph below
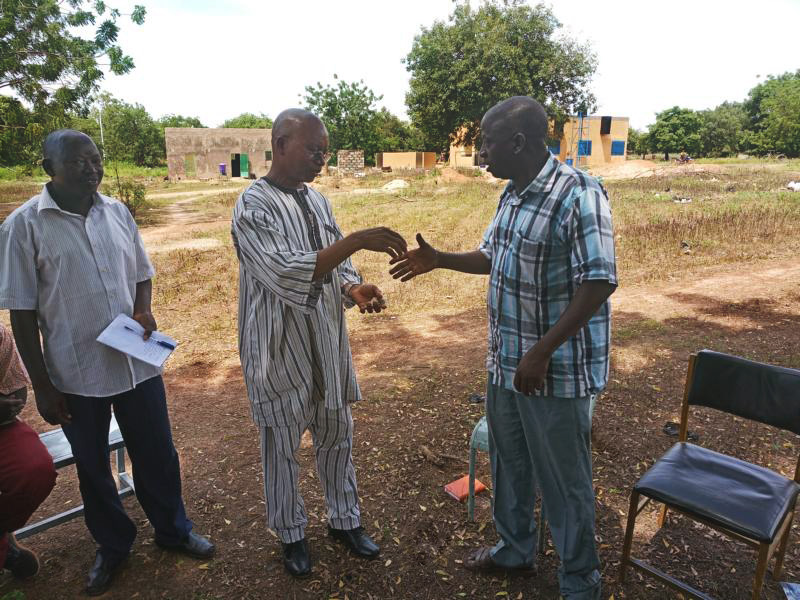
x,y
461,68
48,63
396,135
179,121
249,121
348,111
723,128
130,133
770,108
638,142
676,130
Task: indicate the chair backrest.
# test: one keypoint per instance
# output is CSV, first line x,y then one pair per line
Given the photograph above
x,y
755,391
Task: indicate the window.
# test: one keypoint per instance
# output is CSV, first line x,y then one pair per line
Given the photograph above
x,y
267,155
585,148
618,148
555,149
467,150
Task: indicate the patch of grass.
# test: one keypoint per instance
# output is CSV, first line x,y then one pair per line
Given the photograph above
x,y
18,191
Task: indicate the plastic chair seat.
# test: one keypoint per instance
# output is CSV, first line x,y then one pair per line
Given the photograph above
x,y
742,497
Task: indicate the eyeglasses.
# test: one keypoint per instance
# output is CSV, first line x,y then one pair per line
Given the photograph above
x,y
319,154
82,163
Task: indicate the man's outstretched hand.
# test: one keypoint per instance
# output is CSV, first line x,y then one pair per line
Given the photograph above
x,y
414,262
368,297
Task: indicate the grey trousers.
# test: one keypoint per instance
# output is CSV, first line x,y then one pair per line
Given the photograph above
x,y
332,433
544,442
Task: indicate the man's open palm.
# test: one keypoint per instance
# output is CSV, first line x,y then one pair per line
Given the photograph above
x,y
368,297
414,262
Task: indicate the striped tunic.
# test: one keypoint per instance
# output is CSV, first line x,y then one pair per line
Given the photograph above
x,y
78,273
542,245
288,321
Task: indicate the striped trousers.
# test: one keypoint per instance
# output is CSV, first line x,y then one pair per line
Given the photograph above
x,y
332,433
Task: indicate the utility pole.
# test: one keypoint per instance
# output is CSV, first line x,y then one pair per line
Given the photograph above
x,y
102,140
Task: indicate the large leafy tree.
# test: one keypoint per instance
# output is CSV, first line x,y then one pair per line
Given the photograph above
x,y
349,113
723,129
638,142
397,135
676,130
462,67
774,116
179,121
49,64
249,121
130,133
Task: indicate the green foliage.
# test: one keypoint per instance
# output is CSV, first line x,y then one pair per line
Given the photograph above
x,y
774,112
723,128
348,111
396,135
676,130
130,132
249,121
13,595
52,66
461,68
128,191
638,142
179,121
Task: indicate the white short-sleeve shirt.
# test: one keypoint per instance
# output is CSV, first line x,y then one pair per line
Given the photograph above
x,y
78,273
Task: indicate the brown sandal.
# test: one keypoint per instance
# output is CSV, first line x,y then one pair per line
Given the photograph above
x,y
481,561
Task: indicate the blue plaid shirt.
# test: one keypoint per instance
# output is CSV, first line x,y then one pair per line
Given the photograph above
x,y
543,244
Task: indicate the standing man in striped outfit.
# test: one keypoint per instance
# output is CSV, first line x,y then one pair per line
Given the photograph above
x,y
71,260
549,254
295,277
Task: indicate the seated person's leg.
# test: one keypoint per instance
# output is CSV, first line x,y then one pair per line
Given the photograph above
x,y
27,476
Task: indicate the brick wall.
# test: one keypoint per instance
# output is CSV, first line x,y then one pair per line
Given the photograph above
x,y
350,161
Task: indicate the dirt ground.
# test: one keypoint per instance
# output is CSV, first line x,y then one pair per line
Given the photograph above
x,y
418,373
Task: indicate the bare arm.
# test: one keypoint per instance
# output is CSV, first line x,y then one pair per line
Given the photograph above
x,y
377,239
50,402
142,310
532,369
426,258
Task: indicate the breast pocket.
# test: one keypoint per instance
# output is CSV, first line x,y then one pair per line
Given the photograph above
x,y
536,255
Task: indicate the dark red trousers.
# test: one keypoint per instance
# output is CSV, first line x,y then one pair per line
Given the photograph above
x,y
27,476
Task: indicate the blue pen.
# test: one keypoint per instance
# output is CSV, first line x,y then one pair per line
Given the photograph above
x,y
159,342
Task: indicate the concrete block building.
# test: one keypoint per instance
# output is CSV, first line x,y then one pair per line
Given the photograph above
x,y
203,153
587,141
350,161
590,141
405,160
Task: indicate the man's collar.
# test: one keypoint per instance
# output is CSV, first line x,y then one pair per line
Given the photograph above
x,y
46,200
542,183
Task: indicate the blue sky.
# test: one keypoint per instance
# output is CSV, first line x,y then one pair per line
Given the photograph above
x,y
218,59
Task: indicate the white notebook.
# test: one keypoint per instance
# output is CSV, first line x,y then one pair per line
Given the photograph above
x,y
125,334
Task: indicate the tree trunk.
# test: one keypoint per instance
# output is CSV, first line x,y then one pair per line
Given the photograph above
x,y
666,156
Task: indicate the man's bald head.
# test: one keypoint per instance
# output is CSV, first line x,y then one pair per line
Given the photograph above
x,y
58,143
519,114
292,121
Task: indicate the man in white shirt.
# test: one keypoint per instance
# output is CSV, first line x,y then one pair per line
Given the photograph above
x,y
295,276
71,260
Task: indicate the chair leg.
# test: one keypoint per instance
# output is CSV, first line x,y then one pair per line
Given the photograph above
x,y
662,516
779,556
471,496
761,570
626,545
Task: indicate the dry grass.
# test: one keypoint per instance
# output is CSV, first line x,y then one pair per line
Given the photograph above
x,y
739,215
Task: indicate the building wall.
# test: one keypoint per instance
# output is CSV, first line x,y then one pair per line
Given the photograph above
x,y
208,147
350,161
406,160
601,144
463,156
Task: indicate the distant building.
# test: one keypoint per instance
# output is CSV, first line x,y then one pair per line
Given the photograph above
x,y
587,141
200,153
405,160
590,141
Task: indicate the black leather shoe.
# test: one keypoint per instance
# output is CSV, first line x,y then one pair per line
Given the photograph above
x,y
296,558
194,545
357,540
22,563
101,574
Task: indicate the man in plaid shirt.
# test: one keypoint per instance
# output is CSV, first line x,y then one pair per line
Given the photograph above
x,y
549,252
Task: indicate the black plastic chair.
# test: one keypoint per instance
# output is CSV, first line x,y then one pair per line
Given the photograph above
x,y
747,502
